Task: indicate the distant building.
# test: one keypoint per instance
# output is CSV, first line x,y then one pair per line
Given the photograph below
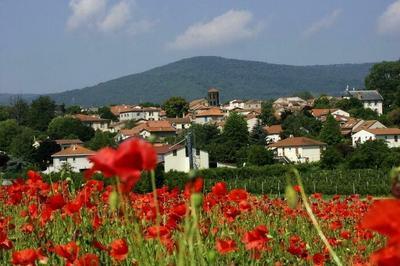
x,y
180,123
177,159
209,115
298,150
273,133
354,125
66,143
157,129
371,99
94,121
322,114
389,135
213,97
292,104
137,112
75,156
252,120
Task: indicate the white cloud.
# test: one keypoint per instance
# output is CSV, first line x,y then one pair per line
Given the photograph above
x,y
84,11
231,26
97,15
389,22
116,18
322,24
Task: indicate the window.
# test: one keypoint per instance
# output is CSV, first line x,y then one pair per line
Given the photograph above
x,y
63,159
174,153
396,138
186,152
197,152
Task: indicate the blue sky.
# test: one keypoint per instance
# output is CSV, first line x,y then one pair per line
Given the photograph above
x,y
51,46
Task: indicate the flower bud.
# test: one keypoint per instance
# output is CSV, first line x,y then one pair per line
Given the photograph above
x,y
113,200
197,200
291,196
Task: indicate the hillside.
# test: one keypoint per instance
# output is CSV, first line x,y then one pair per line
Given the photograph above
x,y
191,77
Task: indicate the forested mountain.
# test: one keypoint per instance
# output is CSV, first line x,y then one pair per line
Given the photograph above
x,y
191,77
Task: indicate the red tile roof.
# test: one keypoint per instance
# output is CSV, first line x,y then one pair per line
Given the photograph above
x,y
89,118
166,148
210,112
297,142
68,141
74,150
384,131
316,112
274,129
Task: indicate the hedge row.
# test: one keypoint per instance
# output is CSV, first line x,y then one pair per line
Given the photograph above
x,y
272,180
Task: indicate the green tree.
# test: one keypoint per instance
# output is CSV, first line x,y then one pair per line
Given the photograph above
x,y
204,135
42,155
323,102
349,104
301,124
176,107
101,140
385,77
8,130
267,113
331,158
73,110
67,127
330,132
41,112
257,135
258,155
370,154
4,113
105,113
19,111
21,146
394,116
235,135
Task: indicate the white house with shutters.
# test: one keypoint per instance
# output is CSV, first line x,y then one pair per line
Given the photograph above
x,y
390,135
177,159
298,150
75,156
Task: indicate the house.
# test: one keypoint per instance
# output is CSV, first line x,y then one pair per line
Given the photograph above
x,y
66,143
298,150
177,159
291,104
208,115
157,129
94,121
322,114
138,112
234,104
117,109
252,104
180,123
389,135
371,99
252,120
75,156
354,125
273,133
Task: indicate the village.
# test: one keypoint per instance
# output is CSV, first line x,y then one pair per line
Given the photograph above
x,y
153,124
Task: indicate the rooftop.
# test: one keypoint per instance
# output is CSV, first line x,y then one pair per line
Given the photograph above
x,y
274,129
297,142
384,131
366,95
210,112
89,118
74,150
68,141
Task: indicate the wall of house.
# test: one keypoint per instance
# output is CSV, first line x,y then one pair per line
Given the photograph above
x,y
78,163
100,126
206,119
361,137
251,123
301,154
376,106
393,141
152,115
131,116
180,162
273,138
341,113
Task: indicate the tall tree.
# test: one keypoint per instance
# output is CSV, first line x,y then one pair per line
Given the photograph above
x,y
176,107
41,112
8,130
4,113
101,140
330,132
301,124
21,146
68,127
267,113
235,135
42,154
105,113
204,134
19,110
385,77
259,155
257,135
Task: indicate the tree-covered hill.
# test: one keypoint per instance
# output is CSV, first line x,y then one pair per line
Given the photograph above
x,y
191,77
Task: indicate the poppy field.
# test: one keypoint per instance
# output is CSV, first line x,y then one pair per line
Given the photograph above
x,y
98,224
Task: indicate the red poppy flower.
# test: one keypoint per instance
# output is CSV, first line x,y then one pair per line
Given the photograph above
x,y
25,257
257,238
193,186
335,225
5,243
68,251
55,202
238,195
297,188
155,231
225,246
88,260
318,259
219,189
119,249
